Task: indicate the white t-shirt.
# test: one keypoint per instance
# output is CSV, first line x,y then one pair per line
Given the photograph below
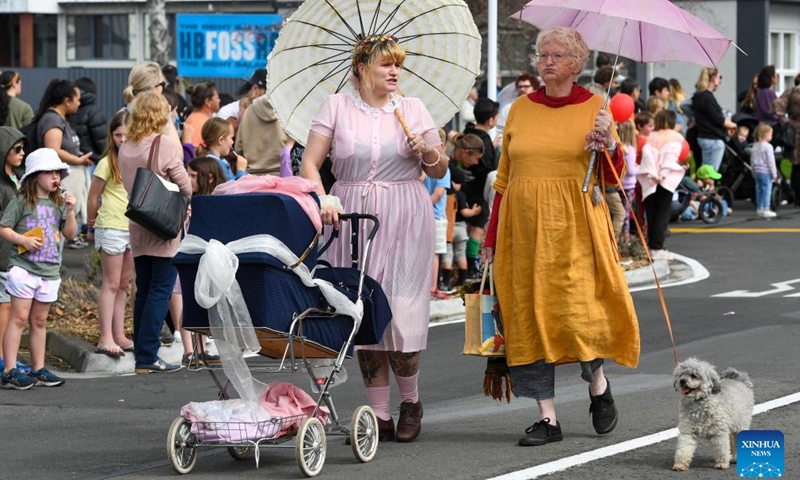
x,y
230,110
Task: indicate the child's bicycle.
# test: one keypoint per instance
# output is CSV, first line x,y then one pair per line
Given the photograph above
x,y
710,210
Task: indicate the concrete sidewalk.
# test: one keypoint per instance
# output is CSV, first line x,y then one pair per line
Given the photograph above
x,y
82,357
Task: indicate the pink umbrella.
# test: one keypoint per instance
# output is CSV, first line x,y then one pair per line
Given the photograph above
x,y
642,30
654,30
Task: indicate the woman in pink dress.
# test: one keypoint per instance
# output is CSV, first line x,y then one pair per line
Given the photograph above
x,y
378,171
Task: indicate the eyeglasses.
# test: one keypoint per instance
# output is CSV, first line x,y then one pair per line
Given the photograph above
x,y
555,57
18,148
163,85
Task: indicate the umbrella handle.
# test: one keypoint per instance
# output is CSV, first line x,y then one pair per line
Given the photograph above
x,y
403,123
589,170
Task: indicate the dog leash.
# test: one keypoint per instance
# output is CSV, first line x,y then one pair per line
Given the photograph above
x,y
647,250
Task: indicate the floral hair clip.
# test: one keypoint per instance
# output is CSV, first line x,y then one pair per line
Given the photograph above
x,y
378,38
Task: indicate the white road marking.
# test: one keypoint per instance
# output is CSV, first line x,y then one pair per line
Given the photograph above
x,y
780,287
605,452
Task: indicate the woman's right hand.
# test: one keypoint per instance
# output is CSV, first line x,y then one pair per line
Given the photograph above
x,y
330,216
487,255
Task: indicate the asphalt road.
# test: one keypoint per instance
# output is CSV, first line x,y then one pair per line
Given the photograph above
x,y
116,427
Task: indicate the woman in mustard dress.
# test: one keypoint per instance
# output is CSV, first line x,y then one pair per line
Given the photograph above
x,y
561,288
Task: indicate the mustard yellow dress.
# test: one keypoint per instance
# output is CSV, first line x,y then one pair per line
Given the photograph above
x,y
560,285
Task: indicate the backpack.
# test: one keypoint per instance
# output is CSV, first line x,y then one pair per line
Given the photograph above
x,y
29,131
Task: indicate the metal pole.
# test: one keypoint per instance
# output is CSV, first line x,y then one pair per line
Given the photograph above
x,y
491,52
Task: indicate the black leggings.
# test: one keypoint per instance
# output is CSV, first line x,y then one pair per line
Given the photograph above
x,y
657,208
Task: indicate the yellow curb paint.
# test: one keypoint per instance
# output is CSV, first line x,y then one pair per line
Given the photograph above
x,y
735,230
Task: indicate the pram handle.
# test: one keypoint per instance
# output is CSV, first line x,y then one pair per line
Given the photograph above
x,y
355,217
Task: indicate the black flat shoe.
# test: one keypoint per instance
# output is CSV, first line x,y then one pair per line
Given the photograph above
x,y
541,433
603,411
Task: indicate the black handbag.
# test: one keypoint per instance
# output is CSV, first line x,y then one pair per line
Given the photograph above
x,y
154,206
377,312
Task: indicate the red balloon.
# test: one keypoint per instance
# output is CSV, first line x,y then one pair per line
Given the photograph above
x,y
684,152
621,106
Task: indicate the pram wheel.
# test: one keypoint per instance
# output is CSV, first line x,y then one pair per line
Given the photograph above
x,y
180,446
310,447
364,433
726,194
710,210
239,453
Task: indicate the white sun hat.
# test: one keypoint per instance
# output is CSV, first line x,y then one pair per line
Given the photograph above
x,y
44,160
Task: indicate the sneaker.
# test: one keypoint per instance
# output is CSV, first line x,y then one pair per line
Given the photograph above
x,y
77,243
662,255
446,289
603,411
17,380
159,366
768,214
26,369
46,378
541,433
439,295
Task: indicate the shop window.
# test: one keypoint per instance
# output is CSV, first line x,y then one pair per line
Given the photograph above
x,y
783,54
101,37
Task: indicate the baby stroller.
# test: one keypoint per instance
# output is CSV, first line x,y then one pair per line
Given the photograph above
x,y
298,321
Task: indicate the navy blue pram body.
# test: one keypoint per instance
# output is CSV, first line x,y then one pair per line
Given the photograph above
x,y
273,294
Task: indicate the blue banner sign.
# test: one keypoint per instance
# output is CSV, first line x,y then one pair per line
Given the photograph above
x,y
220,45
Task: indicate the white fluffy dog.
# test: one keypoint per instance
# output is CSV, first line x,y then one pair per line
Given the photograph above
x,y
713,406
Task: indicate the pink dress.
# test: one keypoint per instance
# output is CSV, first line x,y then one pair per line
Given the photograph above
x,y
377,173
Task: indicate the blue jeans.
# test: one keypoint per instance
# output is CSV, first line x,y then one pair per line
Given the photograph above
x,y
763,190
713,151
155,278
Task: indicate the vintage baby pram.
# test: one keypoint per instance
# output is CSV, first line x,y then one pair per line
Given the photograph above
x,y
301,317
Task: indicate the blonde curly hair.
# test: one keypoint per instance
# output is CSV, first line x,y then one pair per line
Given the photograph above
x,y
373,49
149,113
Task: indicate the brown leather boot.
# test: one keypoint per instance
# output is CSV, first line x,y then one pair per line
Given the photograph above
x,y
409,425
386,430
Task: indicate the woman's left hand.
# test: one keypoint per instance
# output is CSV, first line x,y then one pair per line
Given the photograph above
x,y
417,144
602,124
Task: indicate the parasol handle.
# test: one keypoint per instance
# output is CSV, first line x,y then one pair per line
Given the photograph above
x,y
403,123
589,170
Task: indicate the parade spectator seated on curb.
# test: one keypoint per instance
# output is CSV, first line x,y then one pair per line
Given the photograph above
x,y
706,178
